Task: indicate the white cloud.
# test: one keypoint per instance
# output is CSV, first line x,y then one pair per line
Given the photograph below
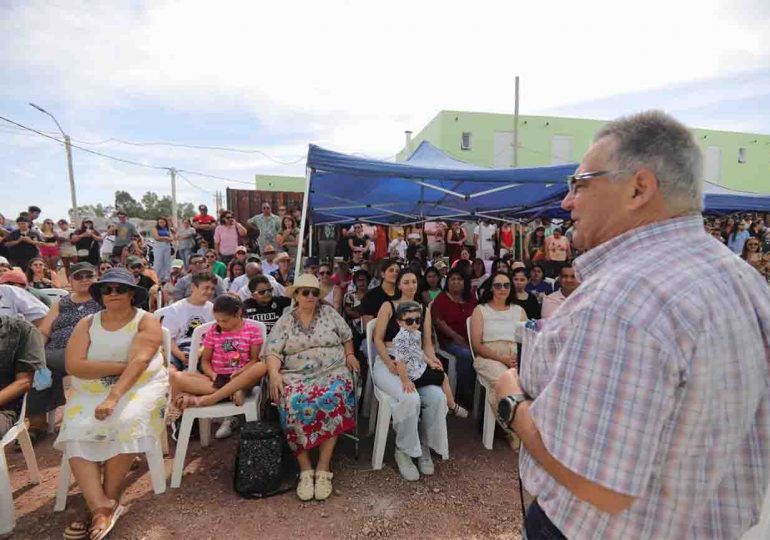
x,y
357,73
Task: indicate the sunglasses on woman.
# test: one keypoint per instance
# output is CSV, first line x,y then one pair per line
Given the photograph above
x,y
113,289
409,321
501,286
307,292
83,276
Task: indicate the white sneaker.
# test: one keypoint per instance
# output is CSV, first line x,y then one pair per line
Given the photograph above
x,y
459,411
425,463
305,487
226,428
406,467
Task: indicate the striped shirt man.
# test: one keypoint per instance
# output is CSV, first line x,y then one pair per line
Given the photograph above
x,y
651,380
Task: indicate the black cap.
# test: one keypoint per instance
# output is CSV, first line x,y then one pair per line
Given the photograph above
x,y
80,267
311,261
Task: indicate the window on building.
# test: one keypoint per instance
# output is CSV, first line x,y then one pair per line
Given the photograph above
x,y
465,143
561,149
713,167
741,155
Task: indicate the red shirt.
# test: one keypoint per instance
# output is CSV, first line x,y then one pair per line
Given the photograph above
x,y
452,313
204,220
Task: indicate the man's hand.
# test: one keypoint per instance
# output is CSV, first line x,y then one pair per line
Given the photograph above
x,y
508,384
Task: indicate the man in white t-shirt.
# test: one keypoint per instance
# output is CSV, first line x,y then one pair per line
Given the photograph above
x,y
397,246
484,238
183,317
435,231
240,285
16,302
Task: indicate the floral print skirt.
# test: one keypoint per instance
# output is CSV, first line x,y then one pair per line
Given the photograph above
x,y
314,409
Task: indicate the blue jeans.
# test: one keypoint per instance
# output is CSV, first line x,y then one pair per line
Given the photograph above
x,y
162,260
537,525
466,375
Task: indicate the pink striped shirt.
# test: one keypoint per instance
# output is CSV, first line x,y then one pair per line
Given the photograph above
x,y
231,350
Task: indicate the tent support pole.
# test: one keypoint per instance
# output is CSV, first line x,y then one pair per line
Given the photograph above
x,y
305,203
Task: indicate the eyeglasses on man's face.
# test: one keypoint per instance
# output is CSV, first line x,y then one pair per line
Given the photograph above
x,y
575,181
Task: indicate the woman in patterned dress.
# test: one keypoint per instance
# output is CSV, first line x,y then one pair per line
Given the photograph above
x,y
119,388
309,358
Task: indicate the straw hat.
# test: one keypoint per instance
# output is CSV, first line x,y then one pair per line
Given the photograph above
x,y
281,256
305,281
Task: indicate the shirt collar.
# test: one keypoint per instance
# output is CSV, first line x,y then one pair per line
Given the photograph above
x,y
646,235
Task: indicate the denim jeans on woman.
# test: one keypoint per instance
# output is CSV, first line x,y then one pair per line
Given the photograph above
x,y
466,375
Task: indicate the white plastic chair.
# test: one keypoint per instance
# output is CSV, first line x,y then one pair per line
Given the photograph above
x,y
380,404
17,432
54,294
154,457
488,431
250,407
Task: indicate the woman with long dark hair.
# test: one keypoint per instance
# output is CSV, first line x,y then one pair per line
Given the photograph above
x,y
86,240
288,237
535,245
40,276
450,310
164,236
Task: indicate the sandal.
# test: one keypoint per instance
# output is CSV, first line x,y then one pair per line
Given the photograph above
x,y
108,516
187,400
77,530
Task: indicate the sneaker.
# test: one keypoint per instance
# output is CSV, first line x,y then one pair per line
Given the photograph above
x,y
323,485
425,463
226,428
459,411
305,486
406,467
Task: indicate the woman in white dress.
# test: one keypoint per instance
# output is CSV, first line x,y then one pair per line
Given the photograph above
x,y
119,388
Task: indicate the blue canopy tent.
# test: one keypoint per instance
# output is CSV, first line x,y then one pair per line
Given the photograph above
x,y
428,185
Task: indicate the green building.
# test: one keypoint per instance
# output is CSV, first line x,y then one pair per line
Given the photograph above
x,y
734,160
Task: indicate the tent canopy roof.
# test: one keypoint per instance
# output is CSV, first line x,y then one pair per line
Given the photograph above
x,y
429,185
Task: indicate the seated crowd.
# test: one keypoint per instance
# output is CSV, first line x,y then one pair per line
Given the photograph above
x,y
103,335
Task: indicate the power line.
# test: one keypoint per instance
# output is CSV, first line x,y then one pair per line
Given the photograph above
x,y
194,147
183,177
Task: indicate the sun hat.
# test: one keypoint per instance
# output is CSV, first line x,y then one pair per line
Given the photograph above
x,y
82,267
177,263
14,276
281,257
268,249
305,281
119,276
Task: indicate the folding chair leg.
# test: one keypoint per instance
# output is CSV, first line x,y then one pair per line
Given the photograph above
x,y
251,413
381,436
29,456
157,470
181,450
488,434
64,485
164,441
7,510
373,414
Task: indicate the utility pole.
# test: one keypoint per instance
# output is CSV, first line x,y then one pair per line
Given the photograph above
x,y
516,126
173,197
70,170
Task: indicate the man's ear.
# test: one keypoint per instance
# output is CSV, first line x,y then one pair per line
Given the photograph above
x,y
643,188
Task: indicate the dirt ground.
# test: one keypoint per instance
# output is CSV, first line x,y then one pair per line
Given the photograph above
x,y
473,495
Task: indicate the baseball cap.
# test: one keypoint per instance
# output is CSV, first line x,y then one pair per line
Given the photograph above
x,y
241,249
311,261
4,261
177,263
81,267
133,261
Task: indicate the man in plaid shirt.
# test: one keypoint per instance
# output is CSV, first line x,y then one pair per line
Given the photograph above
x,y
646,413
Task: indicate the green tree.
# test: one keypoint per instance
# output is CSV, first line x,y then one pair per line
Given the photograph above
x,y
151,206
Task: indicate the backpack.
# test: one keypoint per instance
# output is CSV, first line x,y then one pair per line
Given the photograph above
x,y
264,464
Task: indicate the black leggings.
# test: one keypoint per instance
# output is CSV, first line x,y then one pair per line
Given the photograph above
x,y
430,377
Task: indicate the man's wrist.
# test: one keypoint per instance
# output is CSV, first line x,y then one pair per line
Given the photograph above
x,y
516,411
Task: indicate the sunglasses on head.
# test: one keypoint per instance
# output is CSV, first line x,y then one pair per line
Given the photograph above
x,y
82,276
409,321
307,292
501,286
113,289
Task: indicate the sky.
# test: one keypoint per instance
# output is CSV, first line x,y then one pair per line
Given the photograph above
x,y
270,78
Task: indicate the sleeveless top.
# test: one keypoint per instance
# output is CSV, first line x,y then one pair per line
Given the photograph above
x,y
163,232
70,314
392,329
112,346
500,325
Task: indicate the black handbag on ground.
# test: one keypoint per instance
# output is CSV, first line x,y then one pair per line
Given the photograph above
x,y
264,463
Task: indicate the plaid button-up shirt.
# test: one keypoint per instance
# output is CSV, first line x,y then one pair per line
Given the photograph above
x,y
652,380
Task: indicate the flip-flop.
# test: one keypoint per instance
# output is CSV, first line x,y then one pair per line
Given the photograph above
x,y
111,515
77,530
188,400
